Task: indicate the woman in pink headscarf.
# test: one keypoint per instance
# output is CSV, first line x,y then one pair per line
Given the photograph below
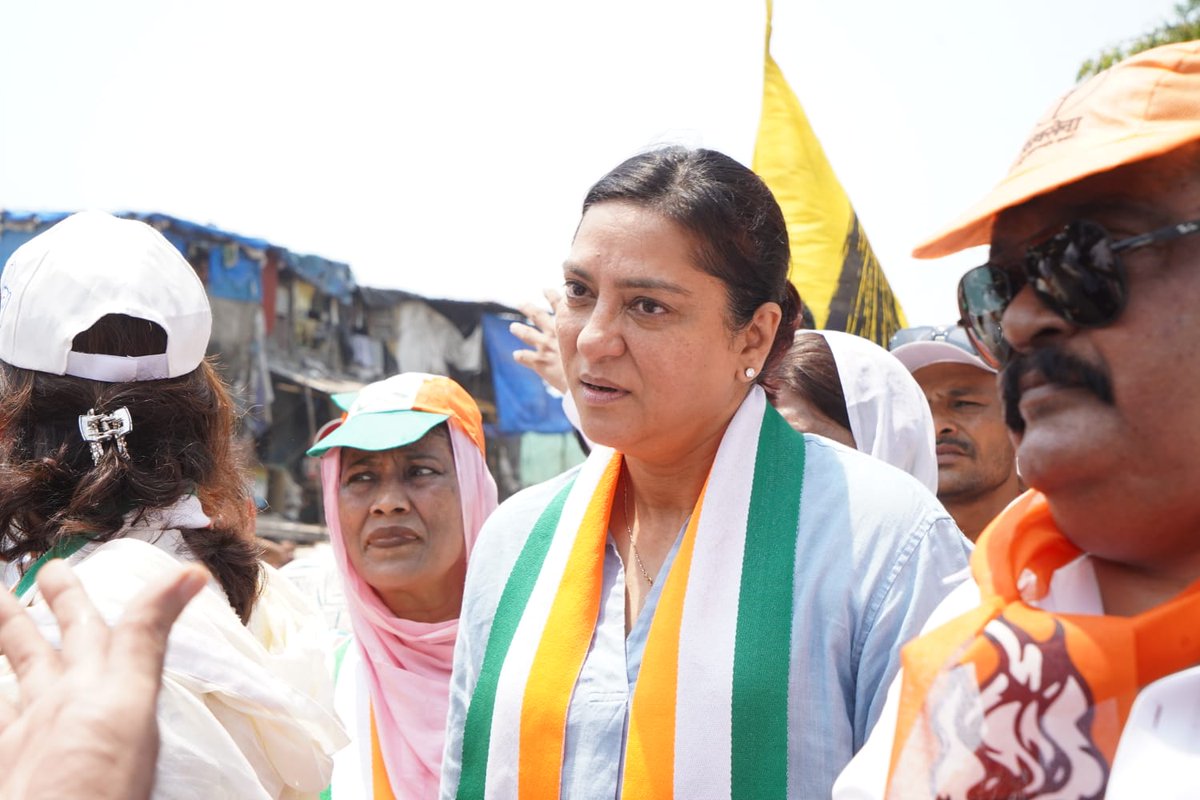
x,y
406,489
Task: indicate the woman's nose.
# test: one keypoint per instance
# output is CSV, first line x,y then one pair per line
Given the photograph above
x,y
391,498
600,336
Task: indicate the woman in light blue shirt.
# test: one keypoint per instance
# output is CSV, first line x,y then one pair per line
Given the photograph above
x,y
712,605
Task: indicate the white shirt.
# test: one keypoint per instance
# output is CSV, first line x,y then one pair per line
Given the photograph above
x,y
245,711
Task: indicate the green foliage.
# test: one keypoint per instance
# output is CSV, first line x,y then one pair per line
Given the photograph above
x,y
1184,27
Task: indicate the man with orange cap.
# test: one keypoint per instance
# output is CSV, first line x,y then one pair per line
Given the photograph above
x,y
1069,667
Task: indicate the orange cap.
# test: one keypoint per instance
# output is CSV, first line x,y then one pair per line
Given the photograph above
x,y
1146,105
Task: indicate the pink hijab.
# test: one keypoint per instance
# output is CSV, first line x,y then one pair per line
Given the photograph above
x,y
408,663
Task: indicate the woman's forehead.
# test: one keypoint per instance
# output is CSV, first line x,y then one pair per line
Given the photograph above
x,y
628,227
434,443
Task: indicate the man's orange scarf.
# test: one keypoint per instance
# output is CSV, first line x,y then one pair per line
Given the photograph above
x,y
1010,701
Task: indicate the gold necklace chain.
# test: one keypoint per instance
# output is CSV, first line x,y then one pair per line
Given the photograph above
x,y
629,530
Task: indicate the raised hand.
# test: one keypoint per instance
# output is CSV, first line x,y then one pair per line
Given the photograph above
x,y
85,722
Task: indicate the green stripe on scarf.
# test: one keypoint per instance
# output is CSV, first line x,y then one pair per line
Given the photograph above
x,y
763,643
477,730
64,550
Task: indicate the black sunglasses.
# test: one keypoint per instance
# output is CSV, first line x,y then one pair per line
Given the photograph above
x,y
1076,273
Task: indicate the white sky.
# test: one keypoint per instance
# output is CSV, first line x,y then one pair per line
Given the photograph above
x,y
445,148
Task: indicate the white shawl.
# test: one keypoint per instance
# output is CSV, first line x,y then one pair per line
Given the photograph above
x,y
889,415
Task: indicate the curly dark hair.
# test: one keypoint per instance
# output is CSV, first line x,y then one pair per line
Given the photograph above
x,y
181,443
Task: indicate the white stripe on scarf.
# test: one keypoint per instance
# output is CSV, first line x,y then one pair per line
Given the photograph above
x,y
704,710
504,752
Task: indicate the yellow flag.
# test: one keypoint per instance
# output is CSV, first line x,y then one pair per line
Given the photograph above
x,y
838,277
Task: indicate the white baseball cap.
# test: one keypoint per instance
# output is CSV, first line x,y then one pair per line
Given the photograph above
x,y
61,282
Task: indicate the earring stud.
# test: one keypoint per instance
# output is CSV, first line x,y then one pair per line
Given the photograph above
x,y
750,372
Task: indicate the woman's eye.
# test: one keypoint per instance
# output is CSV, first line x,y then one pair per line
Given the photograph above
x,y
574,289
359,477
647,306
422,471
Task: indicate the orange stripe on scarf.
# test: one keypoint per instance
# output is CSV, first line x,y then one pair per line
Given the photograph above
x,y
650,749
381,785
561,651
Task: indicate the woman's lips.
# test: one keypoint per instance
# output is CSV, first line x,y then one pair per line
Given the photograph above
x,y
392,537
597,391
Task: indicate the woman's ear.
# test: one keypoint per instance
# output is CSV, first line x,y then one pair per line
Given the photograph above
x,y
759,334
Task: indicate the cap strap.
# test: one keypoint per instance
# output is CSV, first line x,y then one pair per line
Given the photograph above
x,y
117,369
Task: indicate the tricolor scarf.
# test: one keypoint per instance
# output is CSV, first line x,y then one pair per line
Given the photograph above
x,y
1011,701
353,704
709,711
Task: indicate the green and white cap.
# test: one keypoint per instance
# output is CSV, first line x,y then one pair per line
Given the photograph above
x,y
400,410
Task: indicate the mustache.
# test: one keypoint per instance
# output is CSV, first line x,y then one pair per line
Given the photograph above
x,y
961,444
1059,368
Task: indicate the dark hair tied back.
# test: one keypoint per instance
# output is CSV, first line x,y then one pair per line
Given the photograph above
x,y
809,370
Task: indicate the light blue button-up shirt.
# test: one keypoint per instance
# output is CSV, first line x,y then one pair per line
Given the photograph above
x,y
876,553
605,687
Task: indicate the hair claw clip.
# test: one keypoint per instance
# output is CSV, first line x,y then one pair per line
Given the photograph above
x,y
99,428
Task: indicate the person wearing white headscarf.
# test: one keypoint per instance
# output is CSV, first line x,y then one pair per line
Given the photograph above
x,y
869,401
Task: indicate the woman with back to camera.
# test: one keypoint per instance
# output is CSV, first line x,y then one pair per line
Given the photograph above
x,y
851,390
116,455
712,604
406,489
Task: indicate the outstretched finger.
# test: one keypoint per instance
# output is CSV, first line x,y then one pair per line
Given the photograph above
x,y
35,663
527,358
139,639
528,334
84,631
539,317
553,297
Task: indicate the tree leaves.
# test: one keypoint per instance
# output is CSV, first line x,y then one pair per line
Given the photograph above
x,y
1185,27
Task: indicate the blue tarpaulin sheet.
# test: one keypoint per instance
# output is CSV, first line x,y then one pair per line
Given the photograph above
x,y
524,404
18,227
194,230
332,277
233,275
235,261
